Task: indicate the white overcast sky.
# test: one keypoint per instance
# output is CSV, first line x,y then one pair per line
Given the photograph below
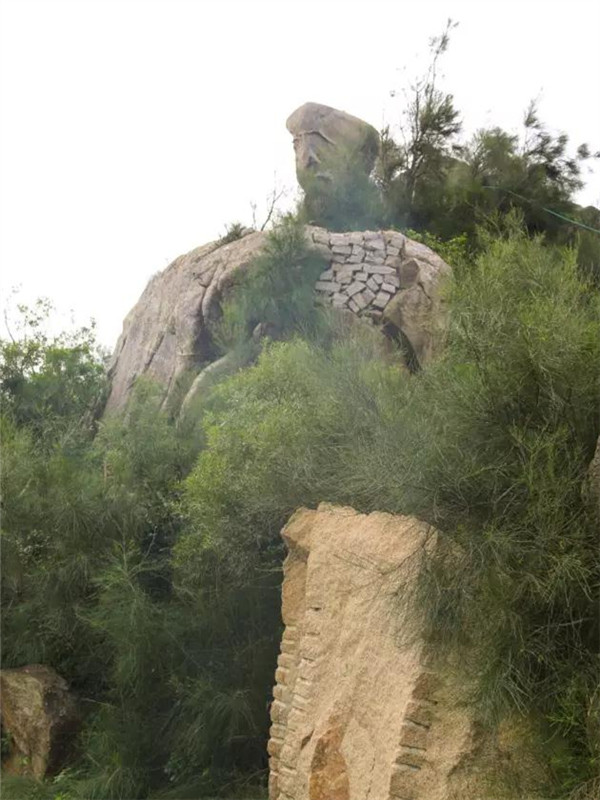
x,y
133,130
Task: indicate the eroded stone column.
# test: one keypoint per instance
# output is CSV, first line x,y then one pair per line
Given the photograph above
x,y
359,713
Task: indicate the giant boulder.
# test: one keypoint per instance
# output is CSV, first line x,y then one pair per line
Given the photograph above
x,y
381,276
168,330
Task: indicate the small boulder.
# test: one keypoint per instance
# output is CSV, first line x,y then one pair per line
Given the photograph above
x,y
40,716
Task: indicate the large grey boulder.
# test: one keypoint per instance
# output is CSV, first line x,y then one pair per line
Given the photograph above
x,y
168,330
379,276
321,132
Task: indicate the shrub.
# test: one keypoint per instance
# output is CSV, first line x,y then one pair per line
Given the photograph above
x,y
50,382
281,434
233,232
503,431
491,445
342,197
276,291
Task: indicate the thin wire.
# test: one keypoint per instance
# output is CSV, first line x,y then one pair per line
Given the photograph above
x,y
548,210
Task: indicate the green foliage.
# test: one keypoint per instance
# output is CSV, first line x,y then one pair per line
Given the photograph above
x,y
408,172
513,413
233,232
176,684
17,788
454,251
491,445
430,180
498,172
279,435
342,196
141,554
48,381
588,245
275,292
87,530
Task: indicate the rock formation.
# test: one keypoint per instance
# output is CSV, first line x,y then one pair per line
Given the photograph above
x,y
320,132
166,332
381,275
389,278
358,710
40,717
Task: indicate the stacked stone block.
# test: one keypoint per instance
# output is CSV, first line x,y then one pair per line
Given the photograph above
x,y
411,759
366,269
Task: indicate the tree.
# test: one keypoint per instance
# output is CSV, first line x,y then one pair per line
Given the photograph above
x,y
431,122
533,172
432,181
47,381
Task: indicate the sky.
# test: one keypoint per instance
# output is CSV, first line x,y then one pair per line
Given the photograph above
x,y
132,131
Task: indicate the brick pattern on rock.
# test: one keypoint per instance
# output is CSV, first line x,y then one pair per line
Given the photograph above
x,y
365,269
310,746
358,710
291,699
406,779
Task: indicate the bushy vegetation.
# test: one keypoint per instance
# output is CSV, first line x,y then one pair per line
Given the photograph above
x,y
89,520
431,179
175,680
142,559
342,196
46,380
491,445
276,294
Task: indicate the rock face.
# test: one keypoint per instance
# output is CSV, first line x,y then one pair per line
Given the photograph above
x,y
381,275
359,711
40,716
320,131
389,278
166,332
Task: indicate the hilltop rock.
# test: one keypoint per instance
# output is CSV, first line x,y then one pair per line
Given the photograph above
x,y
378,275
40,716
359,711
321,131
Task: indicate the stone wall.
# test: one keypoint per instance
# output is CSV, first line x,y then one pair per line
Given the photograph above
x,y
359,712
388,278
366,269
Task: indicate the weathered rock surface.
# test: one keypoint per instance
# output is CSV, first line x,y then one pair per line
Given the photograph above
x,y
40,716
358,710
389,278
379,275
166,332
321,131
